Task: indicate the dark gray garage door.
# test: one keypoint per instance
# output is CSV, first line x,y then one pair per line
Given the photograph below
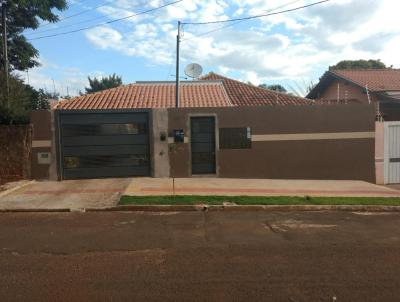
x,y
109,144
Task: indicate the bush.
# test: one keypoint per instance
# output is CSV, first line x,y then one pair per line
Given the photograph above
x,y
22,98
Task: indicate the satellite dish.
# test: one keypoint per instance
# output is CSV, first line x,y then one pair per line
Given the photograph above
x,y
193,70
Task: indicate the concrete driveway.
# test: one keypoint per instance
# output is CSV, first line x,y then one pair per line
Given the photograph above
x,y
71,194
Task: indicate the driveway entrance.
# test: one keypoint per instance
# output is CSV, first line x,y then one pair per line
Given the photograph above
x,y
69,194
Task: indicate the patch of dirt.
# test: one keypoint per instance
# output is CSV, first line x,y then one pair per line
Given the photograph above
x,y
287,225
12,184
373,213
162,213
228,203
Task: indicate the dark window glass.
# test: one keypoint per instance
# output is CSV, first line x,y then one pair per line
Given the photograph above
x,y
104,129
235,138
94,161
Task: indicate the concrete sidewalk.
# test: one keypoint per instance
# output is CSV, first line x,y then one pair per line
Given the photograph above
x,y
256,187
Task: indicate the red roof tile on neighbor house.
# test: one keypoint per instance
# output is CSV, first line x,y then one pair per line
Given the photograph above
x,y
376,79
152,95
242,94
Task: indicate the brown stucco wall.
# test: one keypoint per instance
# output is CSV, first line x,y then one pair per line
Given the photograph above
x,y
41,142
353,93
292,159
15,152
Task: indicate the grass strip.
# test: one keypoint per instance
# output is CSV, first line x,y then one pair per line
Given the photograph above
x,y
257,200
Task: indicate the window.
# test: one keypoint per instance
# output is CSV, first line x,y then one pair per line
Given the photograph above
x,y
235,138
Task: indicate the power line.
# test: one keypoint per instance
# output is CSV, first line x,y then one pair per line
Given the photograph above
x,y
81,22
74,15
79,13
237,22
108,22
256,16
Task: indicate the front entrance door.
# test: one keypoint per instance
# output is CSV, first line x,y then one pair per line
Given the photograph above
x,y
203,145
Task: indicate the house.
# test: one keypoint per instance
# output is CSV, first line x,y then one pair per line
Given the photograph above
x,y
242,94
378,86
223,128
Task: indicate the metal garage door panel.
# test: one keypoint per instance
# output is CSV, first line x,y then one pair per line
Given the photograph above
x,y
106,150
106,140
103,118
109,144
106,172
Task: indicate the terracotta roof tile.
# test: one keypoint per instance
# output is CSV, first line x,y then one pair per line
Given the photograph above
x,y
376,79
152,95
212,90
242,94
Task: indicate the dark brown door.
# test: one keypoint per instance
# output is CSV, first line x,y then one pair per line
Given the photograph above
x,y
203,145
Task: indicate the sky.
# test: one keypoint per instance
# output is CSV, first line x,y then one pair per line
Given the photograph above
x,y
291,49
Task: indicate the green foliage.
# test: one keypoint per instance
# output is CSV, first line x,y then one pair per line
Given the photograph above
x,y
256,200
15,108
274,87
41,100
22,15
21,100
99,84
359,64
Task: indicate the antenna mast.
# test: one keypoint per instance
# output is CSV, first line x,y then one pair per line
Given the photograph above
x,y
5,50
178,41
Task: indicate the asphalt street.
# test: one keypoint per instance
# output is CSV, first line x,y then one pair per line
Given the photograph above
x,y
200,256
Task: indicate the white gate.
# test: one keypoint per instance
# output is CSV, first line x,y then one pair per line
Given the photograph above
x,y
392,152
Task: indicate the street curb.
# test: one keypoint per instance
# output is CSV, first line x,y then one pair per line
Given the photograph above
x,y
34,210
6,192
216,208
283,208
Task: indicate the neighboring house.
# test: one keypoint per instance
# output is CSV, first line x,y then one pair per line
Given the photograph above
x,y
222,127
378,86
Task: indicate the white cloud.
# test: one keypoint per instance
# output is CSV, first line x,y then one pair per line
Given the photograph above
x,y
63,80
295,45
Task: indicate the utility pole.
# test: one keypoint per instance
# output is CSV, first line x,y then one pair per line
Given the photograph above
x,y
5,54
178,41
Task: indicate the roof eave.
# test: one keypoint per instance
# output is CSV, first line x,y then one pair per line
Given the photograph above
x,y
323,81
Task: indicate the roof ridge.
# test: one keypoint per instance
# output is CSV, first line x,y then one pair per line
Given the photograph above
x,y
367,69
95,93
257,87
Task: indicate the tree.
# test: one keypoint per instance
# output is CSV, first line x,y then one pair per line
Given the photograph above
x,y
359,64
15,108
274,87
22,15
41,100
99,84
22,99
